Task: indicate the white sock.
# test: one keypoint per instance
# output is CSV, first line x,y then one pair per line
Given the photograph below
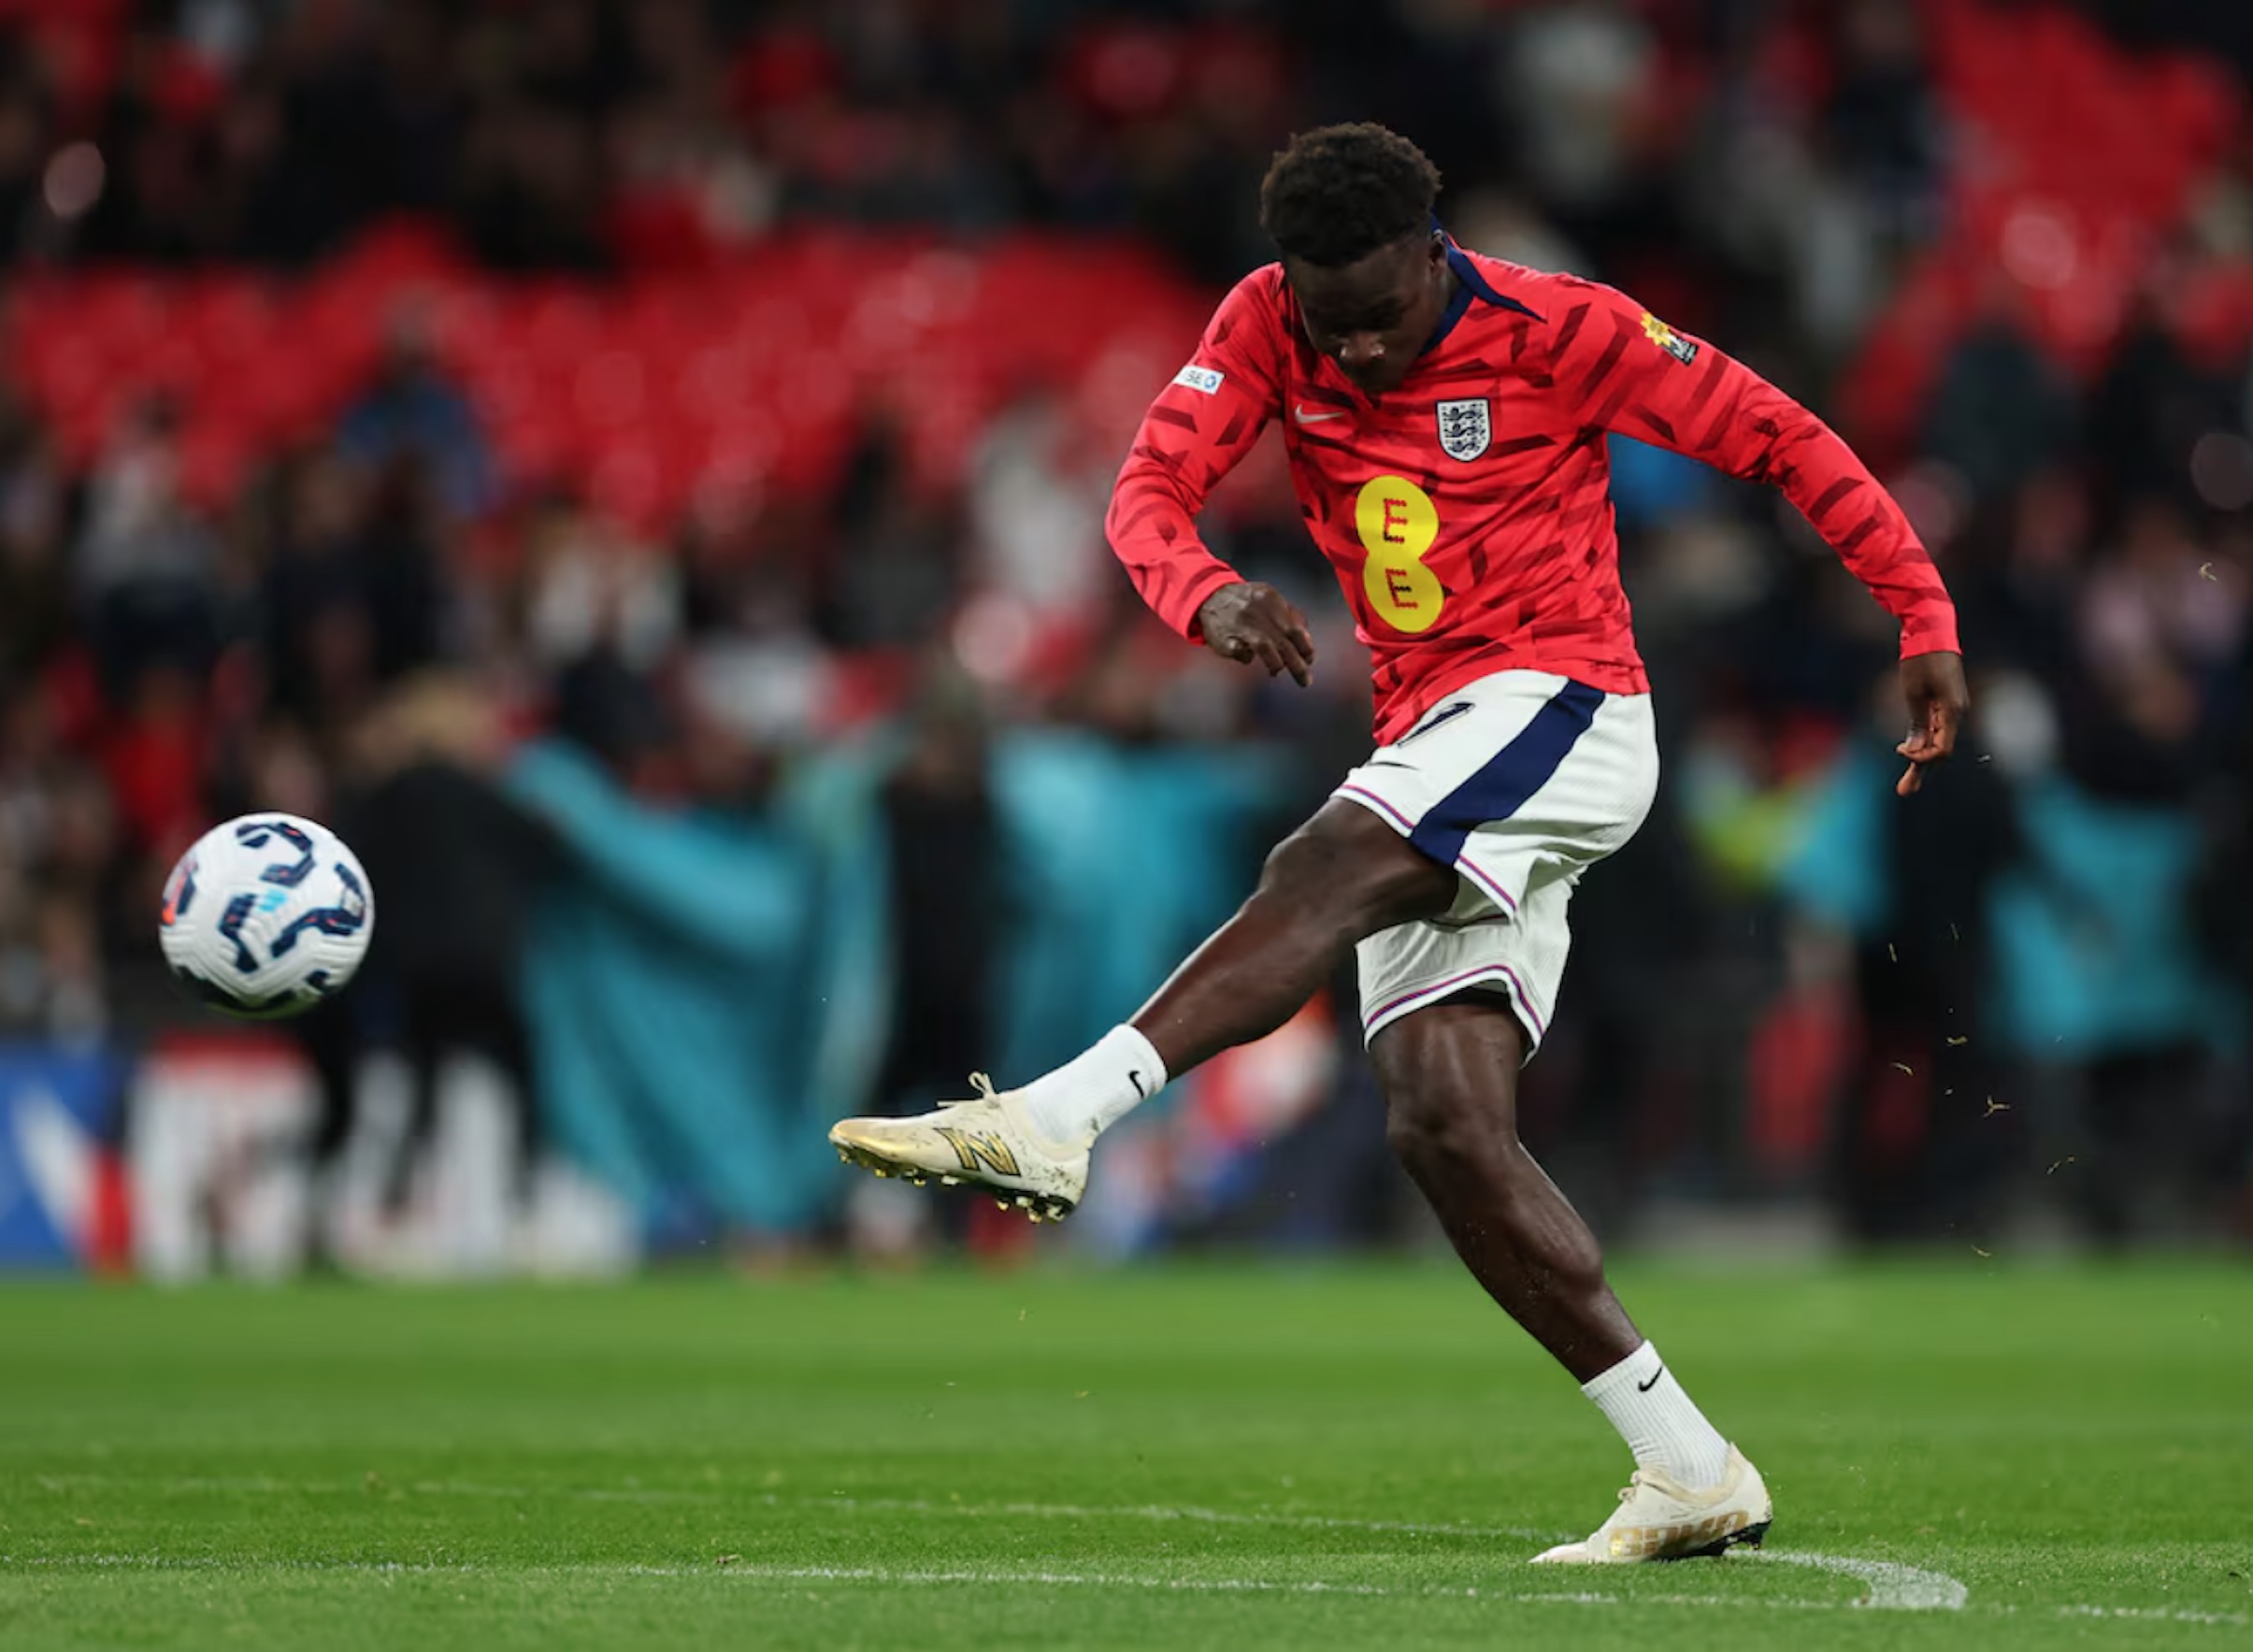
x,y
1090,1093
1653,1413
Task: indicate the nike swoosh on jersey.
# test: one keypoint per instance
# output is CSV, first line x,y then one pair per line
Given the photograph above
x,y
1299,414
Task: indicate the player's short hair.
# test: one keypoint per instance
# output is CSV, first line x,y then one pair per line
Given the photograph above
x,y
1340,193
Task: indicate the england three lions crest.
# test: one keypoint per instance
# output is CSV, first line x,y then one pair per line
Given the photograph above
x,y
1465,428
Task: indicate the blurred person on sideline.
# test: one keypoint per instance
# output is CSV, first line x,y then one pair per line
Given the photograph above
x,y
946,897
458,866
2223,896
1922,1151
945,856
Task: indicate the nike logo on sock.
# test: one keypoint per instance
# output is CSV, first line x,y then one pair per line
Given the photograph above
x,y
1136,1080
1647,1388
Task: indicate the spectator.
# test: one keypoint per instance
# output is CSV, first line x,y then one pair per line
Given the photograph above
x,y
411,411
1883,124
145,559
2002,411
36,598
2152,407
26,139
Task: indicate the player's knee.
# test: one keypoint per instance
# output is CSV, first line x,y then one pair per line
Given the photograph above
x,y
1432,1125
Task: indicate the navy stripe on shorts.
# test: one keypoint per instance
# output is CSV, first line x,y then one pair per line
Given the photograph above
x,y
1500,789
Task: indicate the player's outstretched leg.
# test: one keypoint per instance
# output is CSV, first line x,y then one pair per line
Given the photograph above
x,y
1449,1074
1344,875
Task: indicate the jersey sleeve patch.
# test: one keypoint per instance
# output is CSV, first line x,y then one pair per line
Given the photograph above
x,y
1666,339
1205,380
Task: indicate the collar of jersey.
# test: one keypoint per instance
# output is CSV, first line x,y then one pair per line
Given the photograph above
x,y
1469,284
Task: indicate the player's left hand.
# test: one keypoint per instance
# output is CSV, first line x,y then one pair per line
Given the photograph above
x,y
1933,683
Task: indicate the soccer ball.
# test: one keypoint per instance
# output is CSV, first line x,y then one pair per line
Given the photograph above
x,y
266,916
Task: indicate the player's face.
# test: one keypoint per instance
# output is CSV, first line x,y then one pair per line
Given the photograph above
x,y
1374,317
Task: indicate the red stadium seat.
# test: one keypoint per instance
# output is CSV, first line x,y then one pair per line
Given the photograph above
x,y
748,373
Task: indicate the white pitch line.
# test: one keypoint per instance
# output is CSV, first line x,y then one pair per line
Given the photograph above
x,y
926,1577
1893,1586
1226,1586
1525,1597
755,1573
2158,1614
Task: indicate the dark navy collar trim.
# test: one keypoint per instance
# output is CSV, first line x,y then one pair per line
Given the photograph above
x,y
1469,284
1468,274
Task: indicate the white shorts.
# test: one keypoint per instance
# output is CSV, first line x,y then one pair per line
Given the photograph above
x,y
1520,781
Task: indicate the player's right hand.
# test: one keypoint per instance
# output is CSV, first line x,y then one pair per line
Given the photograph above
x,y
1255,624
1933,683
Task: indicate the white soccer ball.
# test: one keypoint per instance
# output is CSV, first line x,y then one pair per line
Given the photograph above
x,y
266,916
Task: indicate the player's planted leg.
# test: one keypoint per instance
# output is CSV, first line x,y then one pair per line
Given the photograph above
x,y
1449,1074
1342,876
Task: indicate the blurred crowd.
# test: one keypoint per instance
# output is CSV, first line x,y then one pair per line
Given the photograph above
x,y
1789,986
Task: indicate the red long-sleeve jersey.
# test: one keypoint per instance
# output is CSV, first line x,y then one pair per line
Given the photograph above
x,y
1467,513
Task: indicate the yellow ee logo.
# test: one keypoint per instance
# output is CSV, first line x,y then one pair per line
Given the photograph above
x,y
1398,522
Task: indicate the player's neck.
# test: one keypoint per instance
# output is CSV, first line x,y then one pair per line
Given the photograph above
x,y
1451,294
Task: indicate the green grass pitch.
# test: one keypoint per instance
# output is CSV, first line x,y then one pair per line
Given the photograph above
x,y
1974,1456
